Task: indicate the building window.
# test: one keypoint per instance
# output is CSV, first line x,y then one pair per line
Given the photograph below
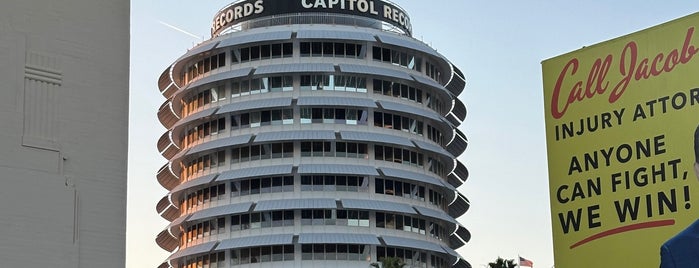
x,y
399,188
412,258
331,183
198,230
349,252
258,220
262,52
202,196
398,122
397,90
405,223
345,116
261,254
199,100
262,118
397,58
333,82
201,131
208,260
334,149
398,155
332,49
244,87
262,185
204,66
201,163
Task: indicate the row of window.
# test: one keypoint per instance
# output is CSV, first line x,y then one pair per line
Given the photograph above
x,y
256,152
265,185
399,188
334,149
193,103
309,49
435,135
202,163
203,130
319,217
214,260
310,115
200,197
281,184
398,58
333,82
433,72
398,122
245,187
398,155
437,167
262,118
434,103
244,87
202,229
332,183
339,183
437,199
262,151
341,252
262,254
205,65
332,49
411,258
262,52
398,90
257,220
400,222
333,116
339,217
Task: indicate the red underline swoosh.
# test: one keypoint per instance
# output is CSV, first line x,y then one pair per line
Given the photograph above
x,y
623,229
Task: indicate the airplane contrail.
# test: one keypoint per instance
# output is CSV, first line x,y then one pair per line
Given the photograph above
x,y
179,30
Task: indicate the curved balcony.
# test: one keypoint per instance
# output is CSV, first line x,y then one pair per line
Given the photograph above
x,y
166,146
457,83
459,111
165,83
166,115
463,233
166,241
166,178
163,204
455,241
458,144
459,175
459,206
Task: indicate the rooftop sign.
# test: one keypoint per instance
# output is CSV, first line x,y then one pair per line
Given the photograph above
x,y
252,9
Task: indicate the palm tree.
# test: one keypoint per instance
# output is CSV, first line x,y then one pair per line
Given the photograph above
x,y
502,263
389,262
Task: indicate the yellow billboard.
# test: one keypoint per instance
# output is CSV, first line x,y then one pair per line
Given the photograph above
x,y
620,120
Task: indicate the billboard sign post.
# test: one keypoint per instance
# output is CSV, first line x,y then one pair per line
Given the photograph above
x,y
620,120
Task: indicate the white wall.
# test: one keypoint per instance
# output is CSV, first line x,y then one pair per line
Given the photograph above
x,y
63,132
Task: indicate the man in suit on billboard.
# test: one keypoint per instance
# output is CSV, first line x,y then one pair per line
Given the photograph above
x,y
682,250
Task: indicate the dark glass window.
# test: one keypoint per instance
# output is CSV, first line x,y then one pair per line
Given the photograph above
x,y
244,54
288,49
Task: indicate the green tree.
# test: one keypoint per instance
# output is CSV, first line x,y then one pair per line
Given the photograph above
x,y
502,263
389,262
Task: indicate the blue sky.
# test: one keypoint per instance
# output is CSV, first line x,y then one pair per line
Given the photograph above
x,y
499,46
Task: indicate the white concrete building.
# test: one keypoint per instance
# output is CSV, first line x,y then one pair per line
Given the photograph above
x,y
312,134
63,132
